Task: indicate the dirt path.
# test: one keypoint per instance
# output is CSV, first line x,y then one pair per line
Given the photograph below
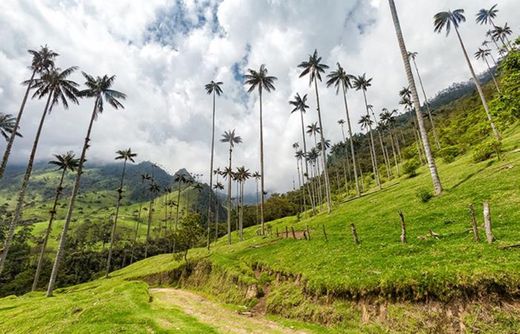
x,y
217,316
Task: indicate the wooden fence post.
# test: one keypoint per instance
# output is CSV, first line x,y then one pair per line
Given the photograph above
x,y
487,223
277,232
474,225
286,232
308,231
293,233
354,234
403,227
324,232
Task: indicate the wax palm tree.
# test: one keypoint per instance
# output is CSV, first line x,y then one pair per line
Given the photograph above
x,y
154,190
313,67
483,54
243,175
339,78
125,155
213,88
489,34
411,83
7,126
362,83
486,16
42,61
344,148
366,123
56,86
300,104
64,162
232,139
313,130
412,56
388,120
501,33
444,21
217,186
256,175
262,81
99,88
144,177
383,148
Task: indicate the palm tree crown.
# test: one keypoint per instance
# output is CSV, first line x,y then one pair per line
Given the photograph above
x,y
7,124
67,161
486,15
361,82
126,155
43,59
231,138
313,66
447,19
299,103
55,83
338,77
259,79
214,87
99,87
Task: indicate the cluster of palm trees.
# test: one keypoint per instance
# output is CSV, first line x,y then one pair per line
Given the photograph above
x,y
52,83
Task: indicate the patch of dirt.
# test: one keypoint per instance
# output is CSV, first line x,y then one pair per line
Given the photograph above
x,y
216,315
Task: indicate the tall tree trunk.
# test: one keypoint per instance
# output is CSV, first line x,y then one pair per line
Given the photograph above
x,y
300,184
149,227
63,239
48,231
323,151
404,54
352,151
241,217
393,152
383,149
135,240
306,164
427,104
211,169
492,75
21,195
12,136
114,223
345,163
262,194
372,146
229,197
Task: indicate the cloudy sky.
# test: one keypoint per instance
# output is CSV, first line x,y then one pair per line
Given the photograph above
x,y
164,51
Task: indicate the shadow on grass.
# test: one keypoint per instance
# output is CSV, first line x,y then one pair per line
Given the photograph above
x,y
469,176
371,192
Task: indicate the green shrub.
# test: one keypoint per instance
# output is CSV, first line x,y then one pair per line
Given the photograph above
x,y
450,153
424,195
486,150
410,167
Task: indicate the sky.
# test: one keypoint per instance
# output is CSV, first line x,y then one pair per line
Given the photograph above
x,y
163,52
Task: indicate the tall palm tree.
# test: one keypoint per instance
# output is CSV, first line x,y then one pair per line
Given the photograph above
x,y
299,155
57,88
300,104
383,148
362,83
243,175
64,162
217,186
232,139
346,165
261,80
483,54
339,78
444,20
7,126
42,61
314,67
144,177
388,120
214,89
491,36
411,83
486,16
99,88
412,56
154,190
313,130
125,155
256,175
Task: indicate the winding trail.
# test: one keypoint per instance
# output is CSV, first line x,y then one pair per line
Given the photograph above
x,y
215,315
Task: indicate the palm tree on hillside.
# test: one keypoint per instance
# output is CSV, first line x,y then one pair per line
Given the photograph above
x,y
232,139
314,67
383,148
243,175
261,80
42,61
362,83
339,78
486,16
56,86
313,130
144,177
64,162
502,33
388,120
99,88
180,179
411,83
217,186
300,155
125,155
483,54
344,148
154,190
412,56
214,89
256,175
444,20
7,126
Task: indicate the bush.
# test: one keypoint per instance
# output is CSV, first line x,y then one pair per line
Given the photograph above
x,y
450,153
410,167
486,150
424,195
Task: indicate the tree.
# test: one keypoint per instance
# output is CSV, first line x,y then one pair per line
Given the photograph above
x,y
214,89
57,88
501,33
263,81
154,190
64,162
42,60
339,78
7,126
362,83
99,88
411,83
444,20
312,130
483,54
383,148
217,186
256,175
125,155
242,175
413,55
144,177
486,16
232,139
314,67
344,148
388,120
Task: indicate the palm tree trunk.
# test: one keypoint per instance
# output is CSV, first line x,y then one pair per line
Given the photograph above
x,y
63,239
135,239
148,228
372,146
404,54
352,151
479,88
492,75
393,153
21,195
229,197
427,104
345,163
300,184
257,201
241,220
261,164
48,231
114,223
397,146
362,178
12,136
306,163
323,153
217,209
211,168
